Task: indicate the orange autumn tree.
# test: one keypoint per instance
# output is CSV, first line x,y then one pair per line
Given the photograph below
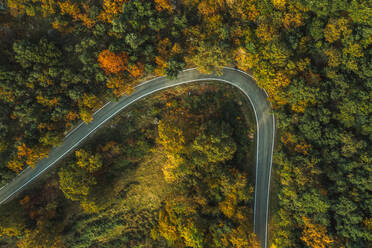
x,y
136,70
69,8
163,5
115,63
28,156
111,62
71,116
75,11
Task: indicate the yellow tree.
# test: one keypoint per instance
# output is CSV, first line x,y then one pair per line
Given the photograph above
x,y
78,12
75,184
166,228
88,161
69,8
242,237
89,100
273,83
17,7
209,58
84,17
136,70
40,238
7,95
29,7
163,47
9,231
48,7
244,59
89,206
208,7
119,85
279,4
170,137
28,155
86,105
15,165
266,32
47,102
62,26
111,8
245,10
292,17
334,57
336,28
172,140
234,192
86,114
315,235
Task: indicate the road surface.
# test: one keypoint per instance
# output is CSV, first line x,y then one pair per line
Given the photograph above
x,y
264,138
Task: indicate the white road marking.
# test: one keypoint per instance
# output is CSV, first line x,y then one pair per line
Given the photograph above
x,y
73,130
102,107
190,69
21,172
268,189
148,81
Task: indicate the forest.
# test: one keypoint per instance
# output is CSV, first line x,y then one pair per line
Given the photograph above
x,y
146,183
60,60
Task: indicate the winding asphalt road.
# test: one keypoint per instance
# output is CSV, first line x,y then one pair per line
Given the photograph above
x,y
265,136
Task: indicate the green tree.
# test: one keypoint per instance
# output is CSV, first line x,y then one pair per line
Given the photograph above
x,y
215,142
75,183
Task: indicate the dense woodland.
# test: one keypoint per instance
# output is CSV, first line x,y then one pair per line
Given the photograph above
x,y
59,60
150,180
